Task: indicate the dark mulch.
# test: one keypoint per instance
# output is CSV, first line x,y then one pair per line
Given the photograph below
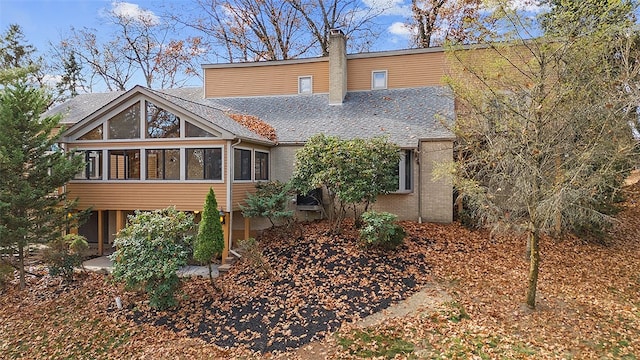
x,y
318,283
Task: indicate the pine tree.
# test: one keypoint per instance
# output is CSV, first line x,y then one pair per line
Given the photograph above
x,y
33,170
210,239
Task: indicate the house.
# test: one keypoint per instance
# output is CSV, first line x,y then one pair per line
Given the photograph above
x,y
148,149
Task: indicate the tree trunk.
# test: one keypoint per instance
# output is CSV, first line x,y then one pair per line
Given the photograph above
x,y
21,265
534,241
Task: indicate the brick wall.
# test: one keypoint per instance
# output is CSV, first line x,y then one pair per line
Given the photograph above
x,y
437,195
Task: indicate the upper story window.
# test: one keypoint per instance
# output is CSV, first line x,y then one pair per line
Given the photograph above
x,y
242,164
163,164
95,134
305,85
93,165
124,164
262,165
160,123
204,164
125,125
379,80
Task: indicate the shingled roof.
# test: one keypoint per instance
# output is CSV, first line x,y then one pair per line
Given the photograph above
x,y
404,115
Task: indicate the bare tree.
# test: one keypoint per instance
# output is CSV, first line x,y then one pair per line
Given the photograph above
x,y
251,30
438,20
139,47
356,22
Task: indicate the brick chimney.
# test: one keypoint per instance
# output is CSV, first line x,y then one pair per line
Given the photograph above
x,y
337,66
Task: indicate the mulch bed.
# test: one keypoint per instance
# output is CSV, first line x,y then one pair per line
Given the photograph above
x,y
318,282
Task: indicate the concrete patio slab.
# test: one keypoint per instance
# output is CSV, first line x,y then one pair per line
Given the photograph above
x,y
104,265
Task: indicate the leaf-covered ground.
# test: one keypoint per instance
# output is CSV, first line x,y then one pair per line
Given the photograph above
x,y
588,302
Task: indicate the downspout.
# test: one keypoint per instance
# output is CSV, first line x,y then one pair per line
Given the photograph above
x,y
419,187
230,167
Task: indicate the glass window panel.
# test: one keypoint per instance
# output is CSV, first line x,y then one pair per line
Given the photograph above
x,y
305,85
379,80
95,134
204,164
262,165
163,164
195,131
161,123
124,164
93,165
126,125
242,164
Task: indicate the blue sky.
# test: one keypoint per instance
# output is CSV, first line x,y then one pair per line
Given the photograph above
x,y
45,21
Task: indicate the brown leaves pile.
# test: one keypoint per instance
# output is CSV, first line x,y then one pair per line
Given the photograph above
x,y
588,302
254,124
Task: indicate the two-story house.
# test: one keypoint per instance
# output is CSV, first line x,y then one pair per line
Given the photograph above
x,y
148,149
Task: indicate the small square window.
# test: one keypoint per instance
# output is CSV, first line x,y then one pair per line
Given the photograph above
x,y
379,80
305,85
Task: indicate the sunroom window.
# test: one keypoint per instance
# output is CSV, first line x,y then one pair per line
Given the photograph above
x,y
204,164
124,164
163,164
160,123
93,165
95,134
126,125
195,131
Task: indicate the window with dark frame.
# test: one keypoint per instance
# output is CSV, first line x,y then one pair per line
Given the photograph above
x,y
163,164
241,164
405,171
125,125
262,166
93,165
204,164
124,164
160,123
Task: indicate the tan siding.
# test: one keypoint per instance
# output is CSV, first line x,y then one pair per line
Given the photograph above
x,y
265,80
144,195
240,191
403,71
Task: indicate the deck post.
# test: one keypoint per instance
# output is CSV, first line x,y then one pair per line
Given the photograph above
x,y
227,238
100,233
247,227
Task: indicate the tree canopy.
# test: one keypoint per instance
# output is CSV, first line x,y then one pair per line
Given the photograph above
x,y
543,132
33,206
353,172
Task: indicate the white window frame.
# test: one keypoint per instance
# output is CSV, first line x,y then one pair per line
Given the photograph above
x,y
184,170
300,89
373,79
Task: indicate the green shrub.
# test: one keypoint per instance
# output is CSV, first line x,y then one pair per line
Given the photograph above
x,y
380,230
64,254
270,201
210,239
149,252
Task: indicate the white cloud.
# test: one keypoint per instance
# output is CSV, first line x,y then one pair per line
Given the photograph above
x,y
134,12
529,6
389,7
400,29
